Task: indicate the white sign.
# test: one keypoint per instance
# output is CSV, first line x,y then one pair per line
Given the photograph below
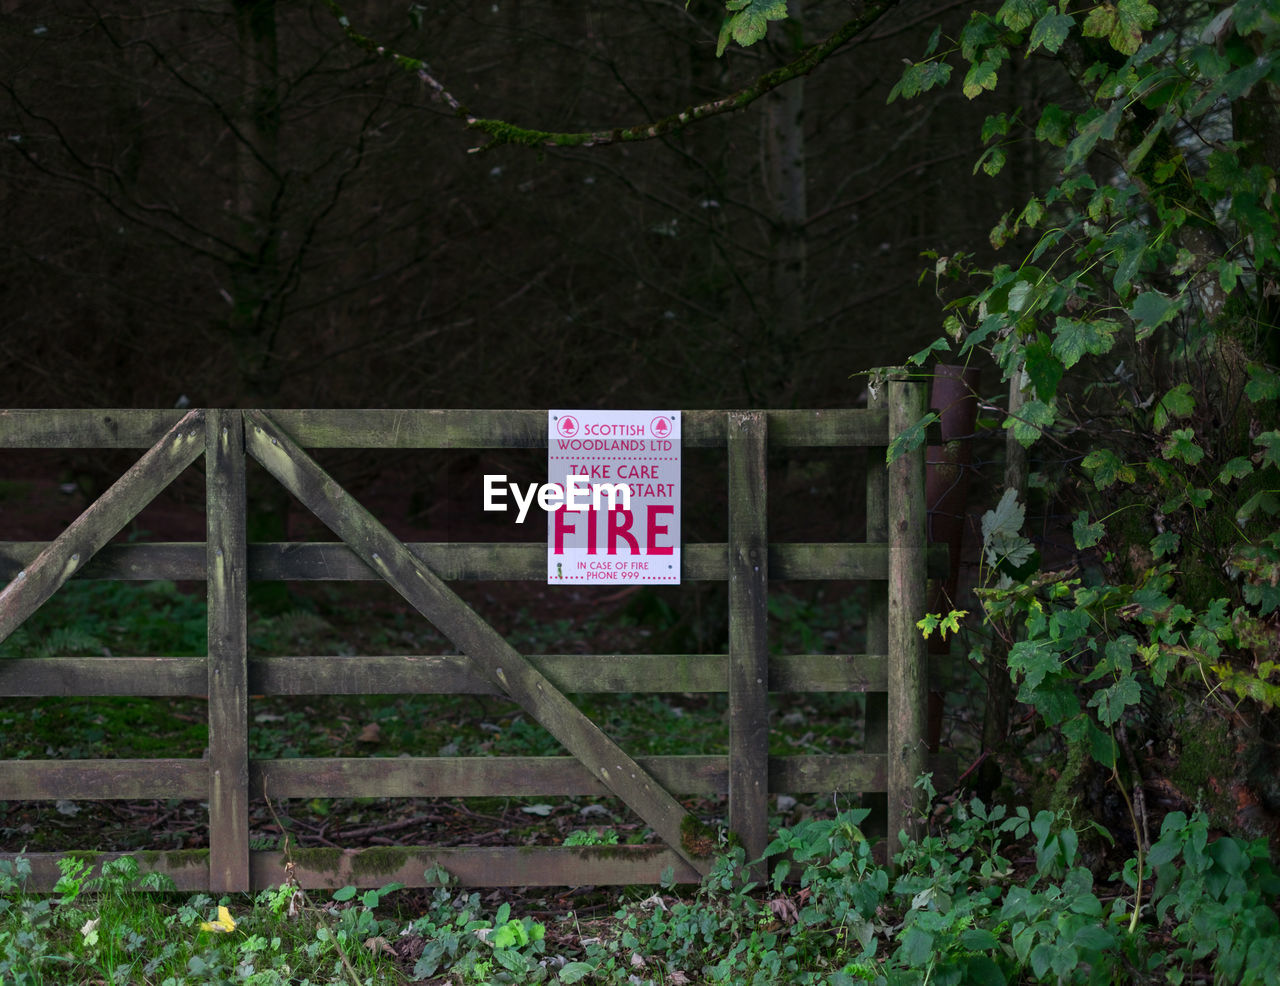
x,y
619,472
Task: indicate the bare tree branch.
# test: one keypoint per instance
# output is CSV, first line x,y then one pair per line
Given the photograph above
x,y
504,132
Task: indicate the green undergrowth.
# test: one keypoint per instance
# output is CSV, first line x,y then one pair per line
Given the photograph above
x,y
988,896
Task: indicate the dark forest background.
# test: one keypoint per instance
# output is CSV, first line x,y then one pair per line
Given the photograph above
x,y
230,201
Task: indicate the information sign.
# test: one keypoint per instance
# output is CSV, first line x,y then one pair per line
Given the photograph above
x,y
619,472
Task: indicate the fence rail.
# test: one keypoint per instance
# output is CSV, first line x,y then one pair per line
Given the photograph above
x,y
893,672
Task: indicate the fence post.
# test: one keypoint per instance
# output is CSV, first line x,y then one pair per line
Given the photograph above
x,y
227,575
748,631
876,715
908,683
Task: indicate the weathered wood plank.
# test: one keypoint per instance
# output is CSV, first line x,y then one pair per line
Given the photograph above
x,y
101,521
437,674
329,869
748,631
85,428
908,688
538,777
418,777
528,429
523,866
139,676
416,428
490,652
460,561
227,665
471,777
107,780
188,868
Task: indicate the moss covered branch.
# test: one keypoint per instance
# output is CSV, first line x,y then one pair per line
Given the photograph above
x,y
500,132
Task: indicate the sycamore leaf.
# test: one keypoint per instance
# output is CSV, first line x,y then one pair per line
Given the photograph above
x,y
979,77
1107,468
1150,310
225,922
748,21
938,345
1121,24
1263,385
1270,442
1074,338
910,439
1181,445
1177,403
918,78
1111,702
1237,468
1084,534
1030,421
1054,126
1050,32
1018,15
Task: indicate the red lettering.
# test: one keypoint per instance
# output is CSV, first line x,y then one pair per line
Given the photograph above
x,y
620,527
562,527
655,528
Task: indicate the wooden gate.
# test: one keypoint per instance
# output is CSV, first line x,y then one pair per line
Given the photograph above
x,y
892,560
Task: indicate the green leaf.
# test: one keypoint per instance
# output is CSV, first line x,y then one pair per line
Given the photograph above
x,y
1122,24
1101,126
995,126
1084,534
1270,442
1177,403
1030,421
1181,445
1073,339
1018,15
1054,126
1165,543
1237,468
918,78
1113,700
979,77
1050,32
910,439
938,345
1263,385
1043,368
1006,519
344,893
993,160
1150,310
575,972
1107,468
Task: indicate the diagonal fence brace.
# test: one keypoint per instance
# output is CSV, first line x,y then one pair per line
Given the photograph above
x,y
159,466
509,670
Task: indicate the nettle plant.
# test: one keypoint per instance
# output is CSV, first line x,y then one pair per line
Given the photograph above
x,y
1137,331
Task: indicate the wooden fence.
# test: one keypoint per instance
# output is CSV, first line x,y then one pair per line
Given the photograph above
x,y
892,560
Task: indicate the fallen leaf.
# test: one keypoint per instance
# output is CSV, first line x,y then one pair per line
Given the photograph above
x,y
784,909
224,923
379,944
371,733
